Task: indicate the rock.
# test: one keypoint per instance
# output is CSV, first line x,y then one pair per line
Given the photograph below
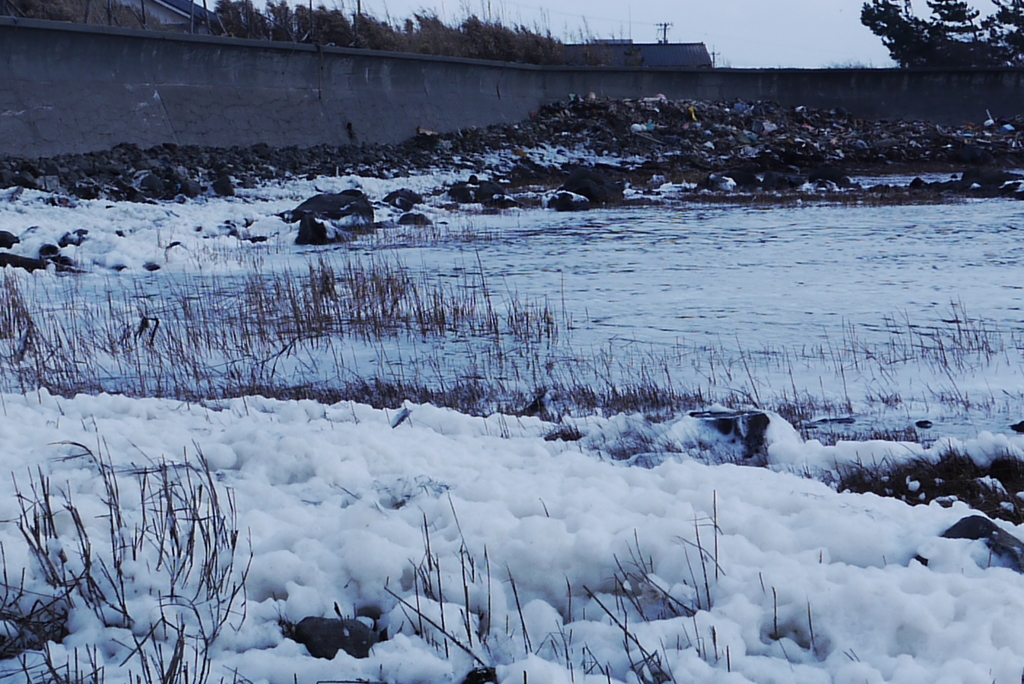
x,y
26,180
971,154
86,189
830,174
48,251
151,266
224,186
414,219
403,199
488,190
745,180
987,178
15,261
596,187
747,428
311,232
500,202
542,405
324,637
76,238
481,675
774,180
462,193
190,188
151,186
1003,544
475,191
719,183
568,201
1018,427
350,208
8,240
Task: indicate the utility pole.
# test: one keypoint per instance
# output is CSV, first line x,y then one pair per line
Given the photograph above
x,y
664,27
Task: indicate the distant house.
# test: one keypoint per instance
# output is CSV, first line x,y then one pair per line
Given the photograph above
x,y
179,15
626,53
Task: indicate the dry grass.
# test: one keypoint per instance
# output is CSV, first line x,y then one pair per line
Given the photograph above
x,y
992,489
181,527
101,12
424,33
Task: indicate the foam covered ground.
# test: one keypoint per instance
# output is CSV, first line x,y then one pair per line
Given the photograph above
x,y
338,506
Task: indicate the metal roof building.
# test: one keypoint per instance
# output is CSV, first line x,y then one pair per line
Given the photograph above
x,y
626,53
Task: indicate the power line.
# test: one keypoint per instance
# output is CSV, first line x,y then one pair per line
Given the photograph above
x,y
664,27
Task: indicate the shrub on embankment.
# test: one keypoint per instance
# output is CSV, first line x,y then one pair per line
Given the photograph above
x,y
424,33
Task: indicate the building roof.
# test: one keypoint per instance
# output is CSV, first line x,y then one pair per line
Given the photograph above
x,y
185,8
627,53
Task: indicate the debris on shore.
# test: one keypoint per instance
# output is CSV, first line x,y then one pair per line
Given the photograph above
x,y
759,145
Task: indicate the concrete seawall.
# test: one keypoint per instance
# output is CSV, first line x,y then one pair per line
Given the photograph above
x,y
68,88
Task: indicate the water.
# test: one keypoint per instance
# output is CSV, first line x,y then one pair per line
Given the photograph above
x,y
890,314
917,305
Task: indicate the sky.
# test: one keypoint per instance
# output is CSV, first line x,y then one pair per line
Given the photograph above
x,y
741,33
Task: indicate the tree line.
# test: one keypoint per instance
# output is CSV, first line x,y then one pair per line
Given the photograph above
x,y
955,34
425,33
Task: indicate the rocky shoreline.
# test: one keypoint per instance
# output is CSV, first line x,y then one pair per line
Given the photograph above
x,y
718,147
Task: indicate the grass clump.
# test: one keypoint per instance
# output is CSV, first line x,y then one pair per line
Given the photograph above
x,y
992,489
180,526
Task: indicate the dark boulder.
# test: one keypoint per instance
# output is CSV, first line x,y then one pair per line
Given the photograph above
x,y
8,240
15,261
324,637
224,186
86,189
568,201
500,202
50,254
414,219
1003,544
830,174
48,251
475,191
481,675
488,190
463,193
987,178
347,214
26,180
190,188
774,180
746,428
350,207
311,232
403,199
971,154
152,186
746,180
718,182
75,238
596,187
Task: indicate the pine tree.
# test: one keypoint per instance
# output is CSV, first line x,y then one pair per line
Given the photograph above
x,y
952,37
1007,29
955,20
905,36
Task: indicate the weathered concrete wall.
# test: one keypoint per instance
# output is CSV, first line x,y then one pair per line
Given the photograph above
x,y
67,88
